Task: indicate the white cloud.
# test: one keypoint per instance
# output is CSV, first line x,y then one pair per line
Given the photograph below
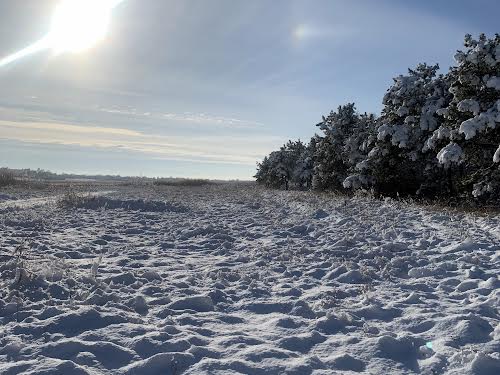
x,y
191,117
242,150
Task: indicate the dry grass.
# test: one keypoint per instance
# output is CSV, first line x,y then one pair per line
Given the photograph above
x,y
182,182
73,199
7,177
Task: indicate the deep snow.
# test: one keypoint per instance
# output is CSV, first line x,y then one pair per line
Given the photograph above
x,y
233,279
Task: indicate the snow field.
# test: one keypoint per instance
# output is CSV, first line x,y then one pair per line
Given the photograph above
x,y
232,279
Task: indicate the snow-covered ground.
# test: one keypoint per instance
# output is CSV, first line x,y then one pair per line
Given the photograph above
x,y
232,279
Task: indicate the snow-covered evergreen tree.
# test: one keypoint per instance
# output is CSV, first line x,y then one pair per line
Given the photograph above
x,y
280,168
263,171
468,141
396,163
345,140
304,167
437,135
356,149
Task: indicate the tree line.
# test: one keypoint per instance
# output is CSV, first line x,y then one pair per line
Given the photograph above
x,y
437,135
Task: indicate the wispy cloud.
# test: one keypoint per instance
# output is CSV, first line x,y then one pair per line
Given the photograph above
x,y
212,149
191,117
73,129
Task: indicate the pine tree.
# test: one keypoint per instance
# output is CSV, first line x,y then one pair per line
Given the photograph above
x,y
304,168
396,163
469,139
338,150
279,169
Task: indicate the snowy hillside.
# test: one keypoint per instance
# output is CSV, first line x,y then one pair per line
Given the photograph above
x,y
233,279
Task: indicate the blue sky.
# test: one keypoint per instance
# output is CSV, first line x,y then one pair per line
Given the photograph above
x,y
205,88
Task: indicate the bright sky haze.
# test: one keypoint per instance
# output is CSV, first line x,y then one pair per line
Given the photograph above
x,y
205,88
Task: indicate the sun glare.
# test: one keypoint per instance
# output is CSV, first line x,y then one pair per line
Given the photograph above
x,y
300,32
78,25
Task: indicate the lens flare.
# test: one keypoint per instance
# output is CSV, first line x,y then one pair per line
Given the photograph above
x,y
34,48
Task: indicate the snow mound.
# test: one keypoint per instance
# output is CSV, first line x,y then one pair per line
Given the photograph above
x,y
302,343
473,329
346,362
404,349
195,303
162,363
330,324
484,364
320,214
73,323
107,354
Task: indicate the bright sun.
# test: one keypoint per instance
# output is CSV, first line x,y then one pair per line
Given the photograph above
x,y
76,26
79,24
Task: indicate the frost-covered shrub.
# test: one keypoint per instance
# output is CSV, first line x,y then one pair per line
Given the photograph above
x,y
468,140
